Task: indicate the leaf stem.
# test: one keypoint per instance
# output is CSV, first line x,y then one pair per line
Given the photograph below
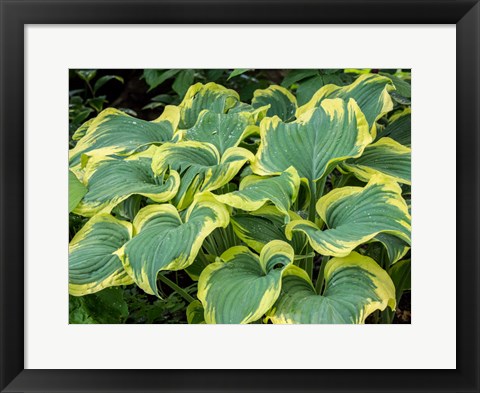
x,y
311,216
90,88
176,288
202,257
300,257
320,188
321,275
207,245
309,265
313,194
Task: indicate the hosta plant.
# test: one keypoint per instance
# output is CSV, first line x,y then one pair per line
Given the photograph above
x,y
277,212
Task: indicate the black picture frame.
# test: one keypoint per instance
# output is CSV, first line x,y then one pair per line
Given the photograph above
x,y
15,14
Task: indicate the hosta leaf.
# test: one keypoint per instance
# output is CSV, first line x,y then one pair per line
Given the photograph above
x,y
195,313
76,191
255,191
282,103
97,103
355,286
211,96
200,263
164,241
401,276
315,143
129,208
402,86
385,156
262,226
370,91
242,286
355,215
222,130
92,263
111,181
400,99
400,127
396,248
80,132
200,166
115,132
257,113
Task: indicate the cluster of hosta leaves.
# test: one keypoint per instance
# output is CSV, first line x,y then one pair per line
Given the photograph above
x,y
283,213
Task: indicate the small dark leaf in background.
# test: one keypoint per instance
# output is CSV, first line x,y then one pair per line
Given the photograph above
x,y
74,93
246,92
128,111
104,79
97,102
183,81
332,79
155,78
307,88
297,75
237,71
214,75
329,71
87,75
164,98
153,105
77,117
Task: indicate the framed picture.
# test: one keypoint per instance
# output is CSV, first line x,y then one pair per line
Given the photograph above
x,y
269,196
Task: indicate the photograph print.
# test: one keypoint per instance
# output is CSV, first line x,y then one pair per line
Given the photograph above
x,y
239,196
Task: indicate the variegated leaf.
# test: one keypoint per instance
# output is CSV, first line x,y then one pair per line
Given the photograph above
x,y
260,227
281,102
216,98
355,286
314,143
111,180
255,191
165,241
114,132
200,166
399,127
195,313
241,287
370,91
222,130
386,157
355,215
92,262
